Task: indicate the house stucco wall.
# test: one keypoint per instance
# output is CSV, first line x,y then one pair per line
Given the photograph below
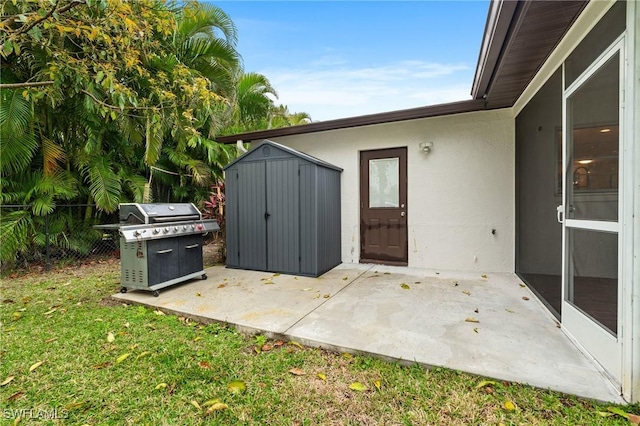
x,y
457,194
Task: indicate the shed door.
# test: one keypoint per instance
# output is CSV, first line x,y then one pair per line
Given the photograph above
x,y
252,232
383,202
282,218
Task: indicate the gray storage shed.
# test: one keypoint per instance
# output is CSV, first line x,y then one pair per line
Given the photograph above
x,y
282,212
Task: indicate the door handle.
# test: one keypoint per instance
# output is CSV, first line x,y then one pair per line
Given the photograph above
x,y
266,215
402,214
560,213
164,251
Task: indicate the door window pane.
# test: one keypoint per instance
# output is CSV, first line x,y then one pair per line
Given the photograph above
x,y
384,183
593,277
593,146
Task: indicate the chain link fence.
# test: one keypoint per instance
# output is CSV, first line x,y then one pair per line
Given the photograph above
x,y
64,237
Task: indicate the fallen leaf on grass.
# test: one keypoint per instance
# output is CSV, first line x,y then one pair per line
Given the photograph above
x,y
278,343
484,276
74,405
53,339
267,282
16,316
36,365
15,396
110,337
297,372
377,384
266,347
471,319
49,312
143,354
195,339
525,298
467,292
277,274
326,296
357,386
237,386
7,381
345,278
195,404
322,376
633,418
405,286
218,406
122,357
160,386
294,343
158,312
127,325
103,365
475,329
509,406
509,310
204,364
221,286
484,383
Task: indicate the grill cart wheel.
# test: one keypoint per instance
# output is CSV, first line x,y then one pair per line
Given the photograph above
x,y
156,293
204,276
123,289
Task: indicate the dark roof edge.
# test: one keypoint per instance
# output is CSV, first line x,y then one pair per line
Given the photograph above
x,y
363,120
291,151
499,19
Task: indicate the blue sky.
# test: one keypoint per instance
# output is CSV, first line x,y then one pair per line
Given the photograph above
x,y
335,59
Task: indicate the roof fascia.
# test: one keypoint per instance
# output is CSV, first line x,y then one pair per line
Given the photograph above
x,y
497,28
363,120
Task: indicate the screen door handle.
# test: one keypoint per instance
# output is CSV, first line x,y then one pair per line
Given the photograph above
x,y
560,213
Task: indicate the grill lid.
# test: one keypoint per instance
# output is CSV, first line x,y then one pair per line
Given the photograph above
x,y
138,213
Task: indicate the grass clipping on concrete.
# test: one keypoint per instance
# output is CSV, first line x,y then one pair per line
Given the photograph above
x,y
70,353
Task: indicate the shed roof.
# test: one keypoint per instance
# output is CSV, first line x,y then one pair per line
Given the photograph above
x,y
519,36
291,151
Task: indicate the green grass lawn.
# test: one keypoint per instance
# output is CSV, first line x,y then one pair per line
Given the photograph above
x,y
75,354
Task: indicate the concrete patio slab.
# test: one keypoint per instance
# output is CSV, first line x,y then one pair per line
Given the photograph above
x,y
399,313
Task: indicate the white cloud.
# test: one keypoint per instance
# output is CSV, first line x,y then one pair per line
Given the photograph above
x,y
329,89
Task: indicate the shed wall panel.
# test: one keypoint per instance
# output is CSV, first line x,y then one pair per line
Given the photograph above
x,y
266,152
308,220
231,215
329,233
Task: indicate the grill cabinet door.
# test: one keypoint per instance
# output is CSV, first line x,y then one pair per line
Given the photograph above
x,y
190,254
164,260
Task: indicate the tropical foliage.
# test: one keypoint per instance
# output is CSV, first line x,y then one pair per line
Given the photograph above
x,y
108,101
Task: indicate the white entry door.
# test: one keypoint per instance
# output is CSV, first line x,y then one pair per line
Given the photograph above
x,y
592,177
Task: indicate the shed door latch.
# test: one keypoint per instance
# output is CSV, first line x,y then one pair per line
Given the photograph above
x,y
266,215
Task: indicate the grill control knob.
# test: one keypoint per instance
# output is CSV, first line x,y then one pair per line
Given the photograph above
x,y
175,229
193,226
165,230
155,231
185,227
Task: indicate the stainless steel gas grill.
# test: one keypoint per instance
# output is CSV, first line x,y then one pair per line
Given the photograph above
x,y
160,244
